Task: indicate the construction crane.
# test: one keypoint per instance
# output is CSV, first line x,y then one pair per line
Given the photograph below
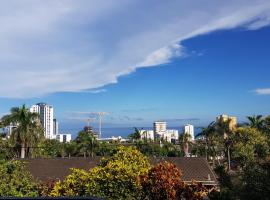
x,y
100,115
88,120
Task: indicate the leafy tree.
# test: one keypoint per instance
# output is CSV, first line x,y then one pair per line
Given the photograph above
x,y
28,131
163,182
50,148
16,181
228,191
86,143
256,178
117,176
155,149
249,145
114,178
105,149
70,148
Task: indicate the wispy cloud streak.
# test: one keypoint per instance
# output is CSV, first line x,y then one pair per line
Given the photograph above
x,y
262,91
72,46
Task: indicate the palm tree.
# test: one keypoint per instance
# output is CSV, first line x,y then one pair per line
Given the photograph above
x,y
86,142
28,130
267,124
256,121
207,134
136,135
185,140
144,133
224,130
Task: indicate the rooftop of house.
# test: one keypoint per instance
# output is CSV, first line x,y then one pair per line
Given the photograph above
x,y
196,169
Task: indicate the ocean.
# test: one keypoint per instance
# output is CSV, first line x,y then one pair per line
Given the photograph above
x,y
125,131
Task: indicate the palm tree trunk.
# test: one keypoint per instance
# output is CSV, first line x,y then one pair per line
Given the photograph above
x,y
23,150
229,159
206,152
186,149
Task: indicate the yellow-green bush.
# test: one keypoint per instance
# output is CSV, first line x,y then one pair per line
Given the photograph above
x,y
16,181
114,178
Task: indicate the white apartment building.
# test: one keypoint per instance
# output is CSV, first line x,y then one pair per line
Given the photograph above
x,y
55,127
46,118
160,131
189,129
173,133
63,137
160,128
147,134
112,139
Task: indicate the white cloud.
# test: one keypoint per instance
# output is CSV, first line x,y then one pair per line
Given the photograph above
x,y
70,46
97,91
162,55
263,91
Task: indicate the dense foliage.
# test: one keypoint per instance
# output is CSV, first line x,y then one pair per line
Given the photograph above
x,y
114,178
248,153
256,177
249,144
16,181
240,156
163,182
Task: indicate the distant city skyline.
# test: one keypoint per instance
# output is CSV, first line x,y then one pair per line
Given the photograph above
x,y
172,66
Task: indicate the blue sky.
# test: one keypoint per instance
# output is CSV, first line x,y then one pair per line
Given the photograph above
x,y
184,62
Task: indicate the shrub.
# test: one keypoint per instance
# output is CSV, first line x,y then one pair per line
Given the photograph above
x,y
73,185
114,178
45,188
163,182
16,181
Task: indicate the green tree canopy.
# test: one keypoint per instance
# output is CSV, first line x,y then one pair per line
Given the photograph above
x,y
256,177
86,143
249,144
50,148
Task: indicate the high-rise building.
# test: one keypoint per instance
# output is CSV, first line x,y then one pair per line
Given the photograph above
x,y
225,118
189,129
161,132
46,118
160,128
55,127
